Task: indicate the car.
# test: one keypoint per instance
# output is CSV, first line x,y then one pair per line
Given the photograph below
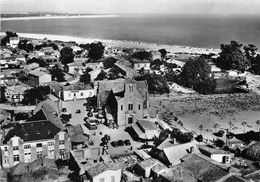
x,y
78,111
64,110
127,142
91,124
120,143
114,144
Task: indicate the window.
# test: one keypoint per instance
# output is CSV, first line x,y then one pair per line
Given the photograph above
x,y
27,153
74,94
16,158
139,106
61,142
81,94
16,148
130,107
102,180
69,95
27,146
5,148
38,145
50,143
90,94
39,154
121,107
113,179
131,88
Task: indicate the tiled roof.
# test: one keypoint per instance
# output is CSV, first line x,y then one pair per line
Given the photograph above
x,y
148,163
40,162
77,87
147,125
212,150
37,73
98,168
202,169
102,97
234,178
79,138
19,169
74,130
167,143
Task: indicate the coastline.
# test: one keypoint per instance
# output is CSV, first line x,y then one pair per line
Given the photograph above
x,y
122,43
57,17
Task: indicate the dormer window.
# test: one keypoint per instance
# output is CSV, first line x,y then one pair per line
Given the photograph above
x,y
131,88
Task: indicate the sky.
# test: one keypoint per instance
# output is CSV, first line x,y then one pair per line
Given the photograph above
x,y
133,6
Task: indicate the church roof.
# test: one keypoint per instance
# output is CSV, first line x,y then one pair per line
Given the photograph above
x,y
253,151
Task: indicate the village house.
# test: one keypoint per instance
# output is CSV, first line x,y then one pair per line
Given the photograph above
x,y
75,67
41,135
138,65
103,172
37,78
126,100
217,154
170,155
15,94
95,65
145,129
73,92
127,71
14,42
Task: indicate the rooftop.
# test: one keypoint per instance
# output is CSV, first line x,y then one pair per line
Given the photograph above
x,y
37,73
210,150
77,87
147,125
98,168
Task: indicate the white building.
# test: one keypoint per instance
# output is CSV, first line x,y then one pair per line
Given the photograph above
x,y
37,78
141,64
14,42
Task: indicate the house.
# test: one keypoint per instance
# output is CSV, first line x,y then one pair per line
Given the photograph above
x,y
95,65
103,172
202,168
150,167
138,65
171,155
175,175
216,154
32,66
156,55
5,78
15,94
38,78
145,129
74,67
126,100
41,135
73,92
127,71
14,42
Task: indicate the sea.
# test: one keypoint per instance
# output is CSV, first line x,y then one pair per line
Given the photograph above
x,y
207,31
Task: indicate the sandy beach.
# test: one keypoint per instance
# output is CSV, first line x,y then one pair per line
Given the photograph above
x,y
122,43
56,17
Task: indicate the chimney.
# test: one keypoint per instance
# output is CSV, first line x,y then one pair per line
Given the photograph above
x,y
191,150
174,140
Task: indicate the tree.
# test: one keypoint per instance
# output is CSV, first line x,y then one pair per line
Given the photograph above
x,y
109,62
156,83
66,55
57,73
2,95
162,136
96,51
255,67
6,39
34,95
143,55
232,57
219,143
85,78
196,74
36,60
163,53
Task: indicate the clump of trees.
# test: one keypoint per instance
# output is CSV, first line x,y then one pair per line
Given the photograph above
x,y
35,95
101,76
96,50
196,74
57,73
142,55
85,78
156,83
66,55
51,44
37,60
109,62
25,45
6,39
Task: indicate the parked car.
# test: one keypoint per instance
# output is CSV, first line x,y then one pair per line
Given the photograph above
x,y
127,142
64,110
91,124
78,111
114,144
120,143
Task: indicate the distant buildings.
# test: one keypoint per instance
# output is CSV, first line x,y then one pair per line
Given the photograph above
x,y
41,135
14,42
138,65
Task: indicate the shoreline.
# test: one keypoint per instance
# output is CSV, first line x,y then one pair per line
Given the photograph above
x,y
121,43
57,17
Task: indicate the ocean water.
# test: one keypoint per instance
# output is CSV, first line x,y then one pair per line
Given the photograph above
x,y
189,30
